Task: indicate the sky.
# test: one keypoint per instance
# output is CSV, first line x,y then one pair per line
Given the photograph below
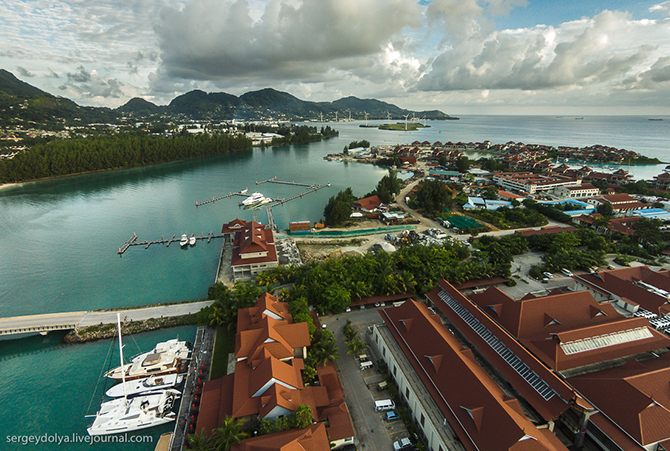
x,y
458,56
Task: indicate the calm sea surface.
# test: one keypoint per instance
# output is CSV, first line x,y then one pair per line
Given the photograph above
x,y
58,242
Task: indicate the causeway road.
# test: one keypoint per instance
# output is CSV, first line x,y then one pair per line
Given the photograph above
x,y
54,321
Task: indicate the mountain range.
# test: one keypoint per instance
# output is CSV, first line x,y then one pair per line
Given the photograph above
x,y
24,102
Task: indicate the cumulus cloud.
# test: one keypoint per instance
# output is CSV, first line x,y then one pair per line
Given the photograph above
x,y
210,39
661,7
575,55
96,88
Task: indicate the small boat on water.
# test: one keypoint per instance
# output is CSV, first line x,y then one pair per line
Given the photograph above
x,y
149,385
191,240
184,240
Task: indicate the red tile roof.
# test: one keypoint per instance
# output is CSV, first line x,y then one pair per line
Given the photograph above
x,y
480,413
545,324
634,396
312,438
216,403
621,282
548,409
369,203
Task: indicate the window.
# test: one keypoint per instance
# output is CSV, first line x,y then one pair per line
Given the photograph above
x,y
407,394
423,420
384,352
395,370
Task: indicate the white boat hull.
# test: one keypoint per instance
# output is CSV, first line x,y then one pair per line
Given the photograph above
x,y
151,384
121,415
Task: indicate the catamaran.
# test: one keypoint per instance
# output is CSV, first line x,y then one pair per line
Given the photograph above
x,y
131,414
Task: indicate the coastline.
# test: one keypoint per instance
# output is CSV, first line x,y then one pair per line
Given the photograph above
x,y
9,185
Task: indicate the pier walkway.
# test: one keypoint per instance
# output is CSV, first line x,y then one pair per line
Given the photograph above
x,y
198,372
132,241
71,320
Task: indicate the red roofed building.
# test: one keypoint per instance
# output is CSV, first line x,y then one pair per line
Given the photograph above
x,y
267,382
621,203
630,288
569,331
370,204
253,248
634,397
414,343
312,438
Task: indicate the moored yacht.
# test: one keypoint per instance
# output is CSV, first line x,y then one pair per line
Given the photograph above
x,y
131,414
184,240
154,364
125,415
191,240
254,199
151,384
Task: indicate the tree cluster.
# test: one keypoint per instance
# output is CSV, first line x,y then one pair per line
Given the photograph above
x,y
387,188
511,218
433,196
338,209
227,303
63,157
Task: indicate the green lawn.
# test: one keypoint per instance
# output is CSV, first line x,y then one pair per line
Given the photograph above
x,y
223,345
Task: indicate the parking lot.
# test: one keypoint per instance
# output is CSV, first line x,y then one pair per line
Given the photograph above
x,y
372,430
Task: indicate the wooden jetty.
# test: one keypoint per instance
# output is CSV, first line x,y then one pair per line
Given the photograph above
x,y
214,199
132,241
281,182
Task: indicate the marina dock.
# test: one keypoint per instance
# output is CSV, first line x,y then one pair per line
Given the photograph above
x,y
214,199
132,241
198,373
274,202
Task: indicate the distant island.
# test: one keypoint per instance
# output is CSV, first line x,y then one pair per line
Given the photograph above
x,y
400,126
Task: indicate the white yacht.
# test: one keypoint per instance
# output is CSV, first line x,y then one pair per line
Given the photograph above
x,y
191,240
149,385
126,415
180,348
254,199
153,364
184,240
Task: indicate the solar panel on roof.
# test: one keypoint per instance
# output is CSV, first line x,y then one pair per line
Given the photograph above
x,y
503,351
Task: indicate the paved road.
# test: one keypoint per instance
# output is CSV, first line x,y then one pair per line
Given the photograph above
x,y
370,429
84,319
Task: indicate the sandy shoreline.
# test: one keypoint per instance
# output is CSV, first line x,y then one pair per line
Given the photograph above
x,y
8,185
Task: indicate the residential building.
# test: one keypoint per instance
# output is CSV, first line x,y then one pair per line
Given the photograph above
x,y
267,381
253,248
431,368
621,203
577,192
630,288
532,183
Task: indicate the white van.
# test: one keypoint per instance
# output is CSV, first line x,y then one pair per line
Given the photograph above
x,y
366,365
384,404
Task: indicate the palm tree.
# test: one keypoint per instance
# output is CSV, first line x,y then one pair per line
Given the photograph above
x,y
199,442
218,315
230,433
356,346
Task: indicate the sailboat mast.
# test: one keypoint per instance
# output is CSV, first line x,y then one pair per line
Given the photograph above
x,y
123,371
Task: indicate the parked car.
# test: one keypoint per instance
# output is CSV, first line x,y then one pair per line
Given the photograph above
x,y
548,275
567,272
392,416
403,443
